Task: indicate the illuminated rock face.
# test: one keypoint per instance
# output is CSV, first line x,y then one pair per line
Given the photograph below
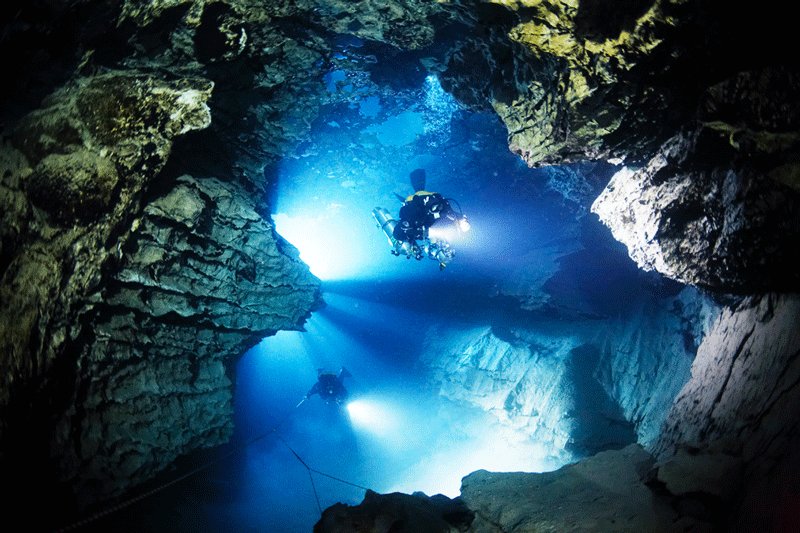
x,y
717,206
740,410
607,492
616,498
579,387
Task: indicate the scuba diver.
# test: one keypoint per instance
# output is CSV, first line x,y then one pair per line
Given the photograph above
x,y
426,224
329,386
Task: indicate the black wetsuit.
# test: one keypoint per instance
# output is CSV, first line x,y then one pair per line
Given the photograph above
x,y
418,213
330,388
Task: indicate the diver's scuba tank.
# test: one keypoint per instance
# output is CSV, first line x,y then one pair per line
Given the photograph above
x,y
387,225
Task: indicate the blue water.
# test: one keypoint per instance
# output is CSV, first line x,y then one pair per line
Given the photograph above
x,y
379,309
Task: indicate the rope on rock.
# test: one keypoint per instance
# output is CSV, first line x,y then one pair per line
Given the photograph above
x,y
274,430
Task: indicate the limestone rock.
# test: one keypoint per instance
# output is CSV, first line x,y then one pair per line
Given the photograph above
x,y
525,386
74,186
130,295
715,207
201,277
601,493
743,379
685,472
581,388
742,404
646,357
563,76
85,178
726,229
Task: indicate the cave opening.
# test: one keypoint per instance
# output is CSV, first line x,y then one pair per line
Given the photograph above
x,y
505,360
172,172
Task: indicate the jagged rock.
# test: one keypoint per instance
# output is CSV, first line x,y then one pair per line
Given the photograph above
x,y
77,167
202,276
404,24
117,360
601,493
710,209
563,77
75,186
581,388
524,385
415,513
646,357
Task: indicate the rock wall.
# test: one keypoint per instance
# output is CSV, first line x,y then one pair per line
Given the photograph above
x,y
606,492
575,386
718,206
646,356
129,293
130,286
740,411
524,384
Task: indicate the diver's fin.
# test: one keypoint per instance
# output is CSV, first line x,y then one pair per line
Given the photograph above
x,y
417,178
399,197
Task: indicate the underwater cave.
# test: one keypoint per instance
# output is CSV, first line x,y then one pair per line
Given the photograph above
x,y
211,322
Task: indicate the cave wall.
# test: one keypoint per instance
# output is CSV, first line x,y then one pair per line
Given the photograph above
x,y
576,386
734,426
134,270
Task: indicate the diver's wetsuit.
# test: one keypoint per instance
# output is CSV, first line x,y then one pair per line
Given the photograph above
x,y
330,387
418,213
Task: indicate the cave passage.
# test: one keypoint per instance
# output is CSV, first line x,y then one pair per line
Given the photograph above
x,y
380,308
532,287
384,314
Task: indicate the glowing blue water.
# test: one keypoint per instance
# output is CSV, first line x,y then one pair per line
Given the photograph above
x,y
399,129
379,309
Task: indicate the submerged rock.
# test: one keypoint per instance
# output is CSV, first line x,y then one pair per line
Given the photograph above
x,y
716,207
606,492
738,414
580,386
127,292
397,512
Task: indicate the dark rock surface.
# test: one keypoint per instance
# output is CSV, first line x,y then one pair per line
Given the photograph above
x,y
606,492
718,206
397,512
128,289
736,420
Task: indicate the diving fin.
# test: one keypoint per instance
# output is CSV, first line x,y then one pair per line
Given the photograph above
x,y
417,178
399,197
